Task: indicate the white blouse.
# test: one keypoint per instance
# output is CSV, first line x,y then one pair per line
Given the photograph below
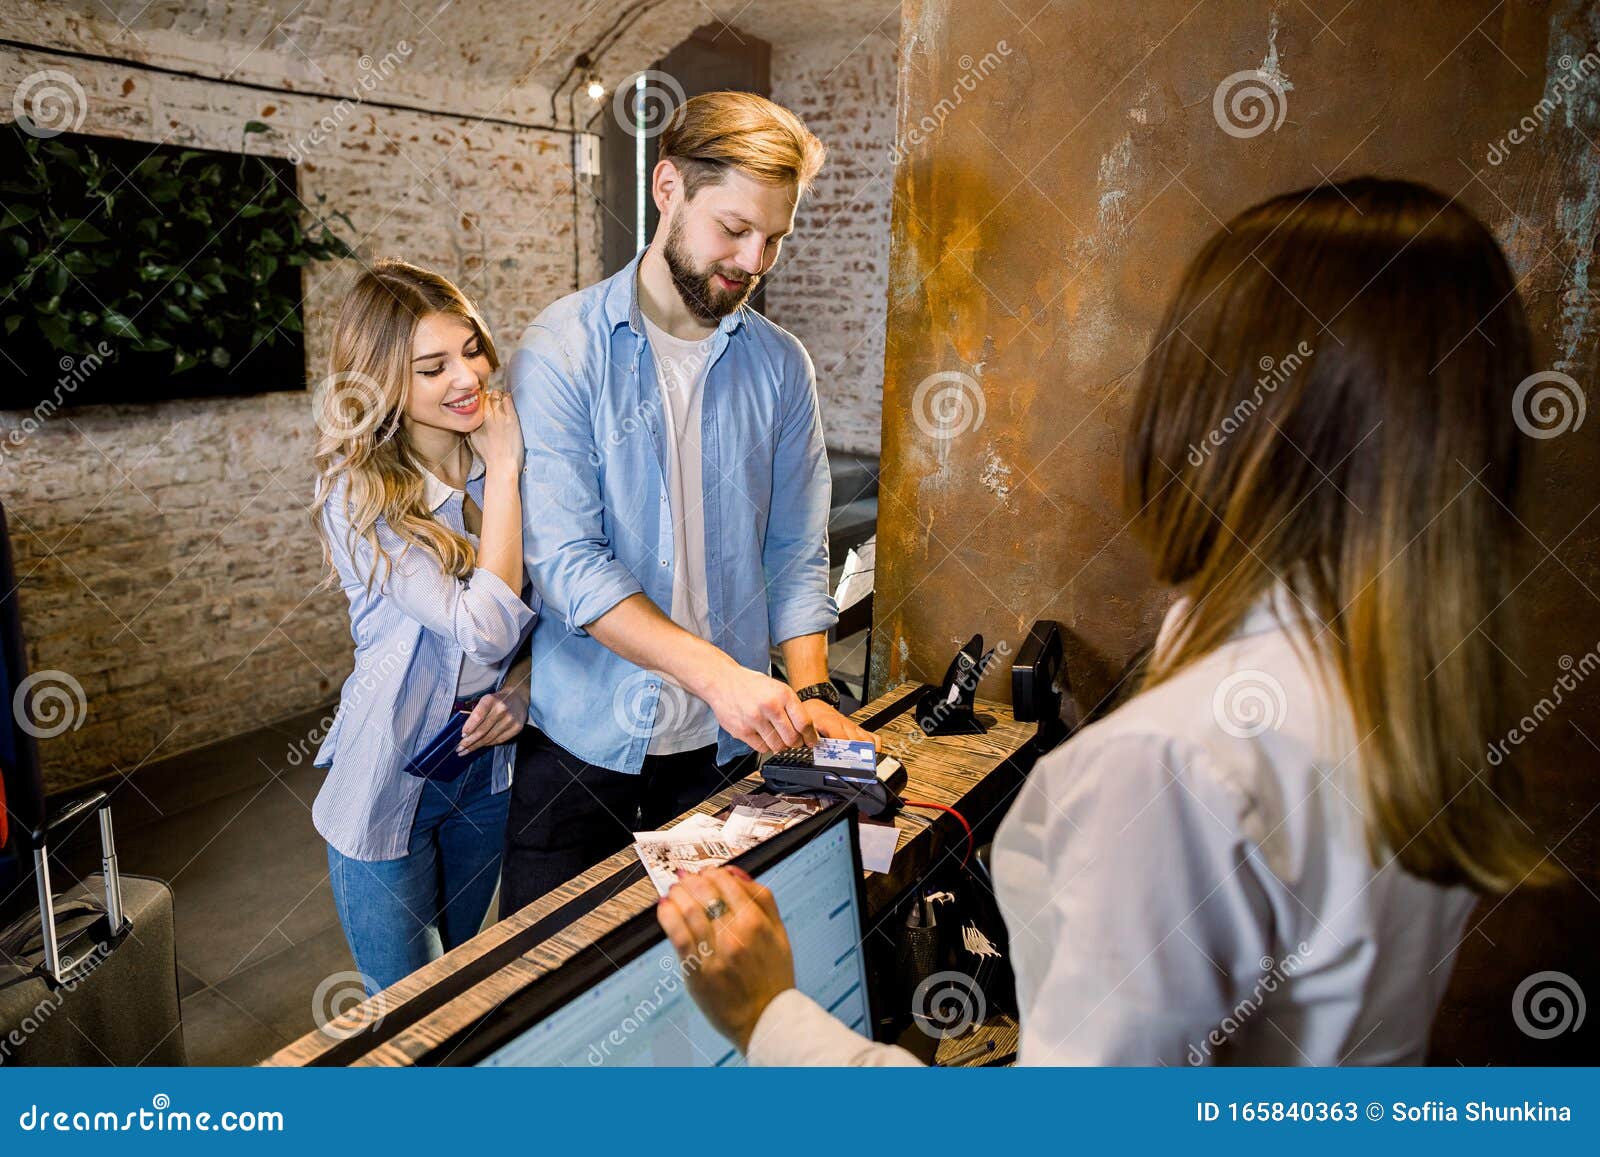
x,y
1187,881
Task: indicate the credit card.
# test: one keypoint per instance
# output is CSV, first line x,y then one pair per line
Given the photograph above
x,y
846,754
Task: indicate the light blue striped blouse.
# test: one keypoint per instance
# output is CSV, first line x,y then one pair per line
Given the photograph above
x,y
411,632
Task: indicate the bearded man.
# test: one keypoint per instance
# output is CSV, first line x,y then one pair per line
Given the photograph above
x,y
675,502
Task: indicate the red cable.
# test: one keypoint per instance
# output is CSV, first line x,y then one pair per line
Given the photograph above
x,y
952,811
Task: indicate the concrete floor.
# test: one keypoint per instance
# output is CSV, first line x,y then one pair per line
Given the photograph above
x,y
256,927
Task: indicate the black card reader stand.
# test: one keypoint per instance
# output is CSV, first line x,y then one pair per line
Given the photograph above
x,y
1038,682
948,709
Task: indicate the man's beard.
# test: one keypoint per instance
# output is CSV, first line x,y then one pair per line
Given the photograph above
x,y
708,302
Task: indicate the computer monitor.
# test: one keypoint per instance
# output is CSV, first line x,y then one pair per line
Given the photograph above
x,y
623,1000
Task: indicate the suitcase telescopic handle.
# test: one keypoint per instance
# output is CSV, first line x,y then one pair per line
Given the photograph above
x,y
56,968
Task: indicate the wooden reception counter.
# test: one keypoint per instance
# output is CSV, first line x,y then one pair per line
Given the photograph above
x,y
977,774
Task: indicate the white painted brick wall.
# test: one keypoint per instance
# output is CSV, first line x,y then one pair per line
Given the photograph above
x,y
832,282
165,558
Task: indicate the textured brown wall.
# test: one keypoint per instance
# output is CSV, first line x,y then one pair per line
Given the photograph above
x,y
1055,176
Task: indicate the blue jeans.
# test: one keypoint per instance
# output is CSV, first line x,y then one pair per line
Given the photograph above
x,y
400,914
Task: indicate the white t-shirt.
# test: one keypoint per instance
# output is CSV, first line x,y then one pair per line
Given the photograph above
x,y
683,722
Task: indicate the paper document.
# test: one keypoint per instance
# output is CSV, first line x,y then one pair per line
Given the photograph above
x,y
855,579
877,845
703,841
694,844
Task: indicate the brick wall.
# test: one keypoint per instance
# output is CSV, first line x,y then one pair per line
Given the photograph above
x,y
166,562
831,284
168,565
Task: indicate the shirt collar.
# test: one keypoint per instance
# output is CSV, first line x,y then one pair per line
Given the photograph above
x,y
1276,609
436,493
622,301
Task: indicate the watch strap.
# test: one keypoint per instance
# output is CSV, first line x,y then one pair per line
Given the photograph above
x,y
825,691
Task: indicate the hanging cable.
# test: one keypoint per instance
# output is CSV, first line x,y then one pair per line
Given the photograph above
x,y
961,818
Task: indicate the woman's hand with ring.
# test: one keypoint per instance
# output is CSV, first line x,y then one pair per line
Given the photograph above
x,y
732,945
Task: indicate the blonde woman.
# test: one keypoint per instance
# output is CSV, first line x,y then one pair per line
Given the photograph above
x,y
1269,854
418,510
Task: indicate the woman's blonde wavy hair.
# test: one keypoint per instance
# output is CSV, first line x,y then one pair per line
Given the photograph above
x,y
361,440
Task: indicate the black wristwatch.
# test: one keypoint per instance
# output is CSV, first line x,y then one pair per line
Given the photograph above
x,y
827,692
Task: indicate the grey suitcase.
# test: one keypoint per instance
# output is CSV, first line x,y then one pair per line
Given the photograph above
x,y
91,978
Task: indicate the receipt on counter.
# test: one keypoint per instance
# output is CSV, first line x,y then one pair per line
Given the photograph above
x,y
877,845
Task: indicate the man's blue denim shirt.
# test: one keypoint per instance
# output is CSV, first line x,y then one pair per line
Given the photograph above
x,y
596,523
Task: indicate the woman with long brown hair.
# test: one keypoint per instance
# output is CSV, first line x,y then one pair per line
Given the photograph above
x,y
1269,854
420,517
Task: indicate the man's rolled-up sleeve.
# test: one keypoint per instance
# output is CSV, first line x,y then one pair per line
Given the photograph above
x,y
565,548
794,558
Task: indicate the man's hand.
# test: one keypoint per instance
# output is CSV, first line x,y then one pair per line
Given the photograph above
x,y
737,963
830,723
758,709
496,718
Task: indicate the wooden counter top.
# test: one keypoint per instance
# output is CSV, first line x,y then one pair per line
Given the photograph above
x,y
409,1019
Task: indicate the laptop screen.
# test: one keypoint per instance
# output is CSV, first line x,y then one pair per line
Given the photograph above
x,y
639,1012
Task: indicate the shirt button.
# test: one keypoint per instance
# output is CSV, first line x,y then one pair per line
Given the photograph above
x,y
663,562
